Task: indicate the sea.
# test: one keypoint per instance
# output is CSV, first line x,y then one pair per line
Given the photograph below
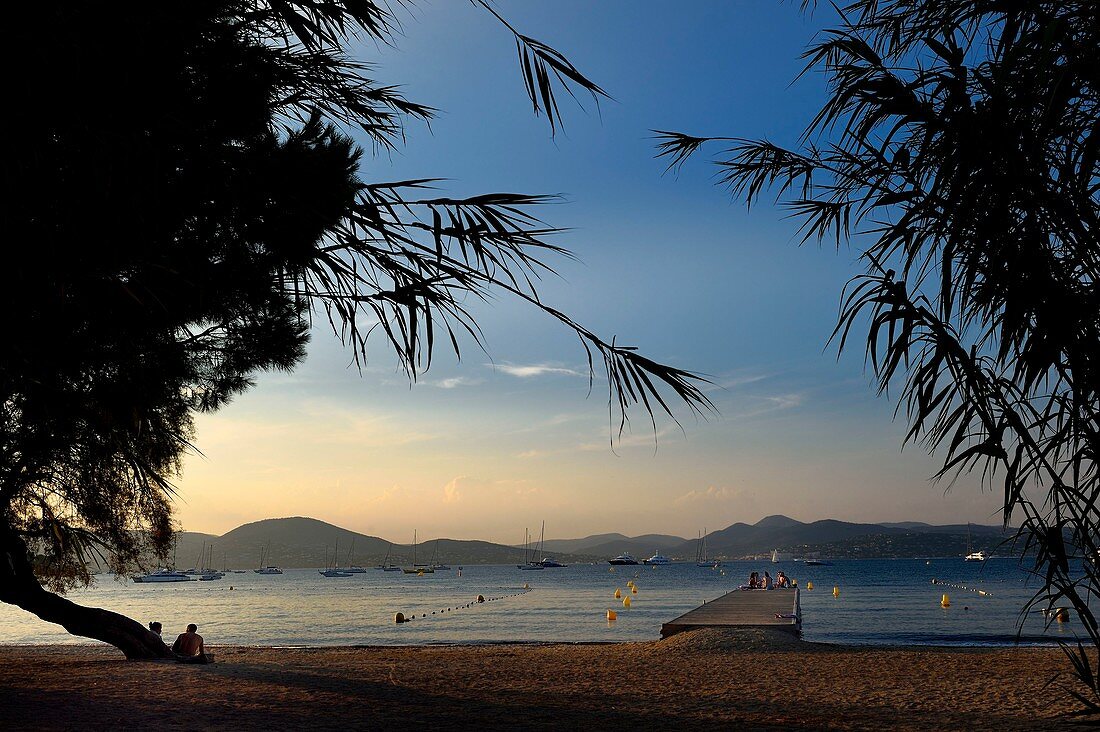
x,y
876,602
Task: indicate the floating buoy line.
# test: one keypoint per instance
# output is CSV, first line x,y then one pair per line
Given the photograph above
x,y
399,617
964,588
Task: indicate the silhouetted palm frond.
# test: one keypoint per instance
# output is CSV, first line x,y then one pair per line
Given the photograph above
x,y
541,66
957,148
678,146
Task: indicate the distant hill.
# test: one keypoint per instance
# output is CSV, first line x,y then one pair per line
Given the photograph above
x,y
307,542
609,545
832,538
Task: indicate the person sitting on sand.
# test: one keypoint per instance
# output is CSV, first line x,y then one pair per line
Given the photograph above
x,y
781,580
754,580
767,583
189,648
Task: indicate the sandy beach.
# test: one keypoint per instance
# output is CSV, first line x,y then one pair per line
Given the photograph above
x,y
698,680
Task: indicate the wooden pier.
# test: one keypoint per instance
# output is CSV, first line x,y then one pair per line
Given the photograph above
x,y
742,609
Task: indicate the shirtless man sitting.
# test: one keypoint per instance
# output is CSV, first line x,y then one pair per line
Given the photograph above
x,y
188,647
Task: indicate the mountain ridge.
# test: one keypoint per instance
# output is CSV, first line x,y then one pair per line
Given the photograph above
x,y
301,541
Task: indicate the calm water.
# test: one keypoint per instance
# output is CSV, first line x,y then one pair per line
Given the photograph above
x,y
880,602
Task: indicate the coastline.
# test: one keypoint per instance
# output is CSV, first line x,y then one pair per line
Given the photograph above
x,y
695,680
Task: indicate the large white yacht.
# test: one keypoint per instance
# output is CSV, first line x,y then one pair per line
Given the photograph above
x,y
657,559
162,575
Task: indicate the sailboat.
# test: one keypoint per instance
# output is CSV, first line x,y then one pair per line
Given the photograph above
x,y
353,568
202,566
548,562
386,566
417,568
701,559
270,569
972,556
335,570
433,564
529,554
206,574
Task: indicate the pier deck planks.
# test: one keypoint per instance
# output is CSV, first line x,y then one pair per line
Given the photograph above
x,y
742,609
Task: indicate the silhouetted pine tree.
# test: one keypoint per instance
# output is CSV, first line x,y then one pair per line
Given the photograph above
x,y
181,200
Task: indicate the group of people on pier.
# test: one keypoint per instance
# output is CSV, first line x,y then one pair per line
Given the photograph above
x,y
781,581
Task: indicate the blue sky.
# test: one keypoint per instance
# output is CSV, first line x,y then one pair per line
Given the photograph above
x,y
483,447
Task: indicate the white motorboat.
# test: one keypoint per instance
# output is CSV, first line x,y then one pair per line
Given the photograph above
x,y
972,556
163,575
623,559
657,559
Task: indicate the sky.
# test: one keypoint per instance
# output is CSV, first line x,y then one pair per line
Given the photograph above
x,y
482,447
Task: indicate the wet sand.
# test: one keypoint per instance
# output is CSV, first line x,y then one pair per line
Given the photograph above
x,y
707,679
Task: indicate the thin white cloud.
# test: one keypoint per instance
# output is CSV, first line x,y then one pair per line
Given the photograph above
x,y
710,493
454,382
616,441
786,401
736,381
530,371
772,404
450,491
528,454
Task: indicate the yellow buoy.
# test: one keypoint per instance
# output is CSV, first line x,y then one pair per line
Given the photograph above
x,y
836,591
399,618
618,593
526,586
610,569
809,585
634,590
612,615
626,602
945,601
1061,615
420,573
481,598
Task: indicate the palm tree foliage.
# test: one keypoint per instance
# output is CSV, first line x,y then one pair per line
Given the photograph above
x,y
182,200
957,149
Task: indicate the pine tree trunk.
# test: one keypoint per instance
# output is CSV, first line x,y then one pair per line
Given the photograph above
x,y
19,587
